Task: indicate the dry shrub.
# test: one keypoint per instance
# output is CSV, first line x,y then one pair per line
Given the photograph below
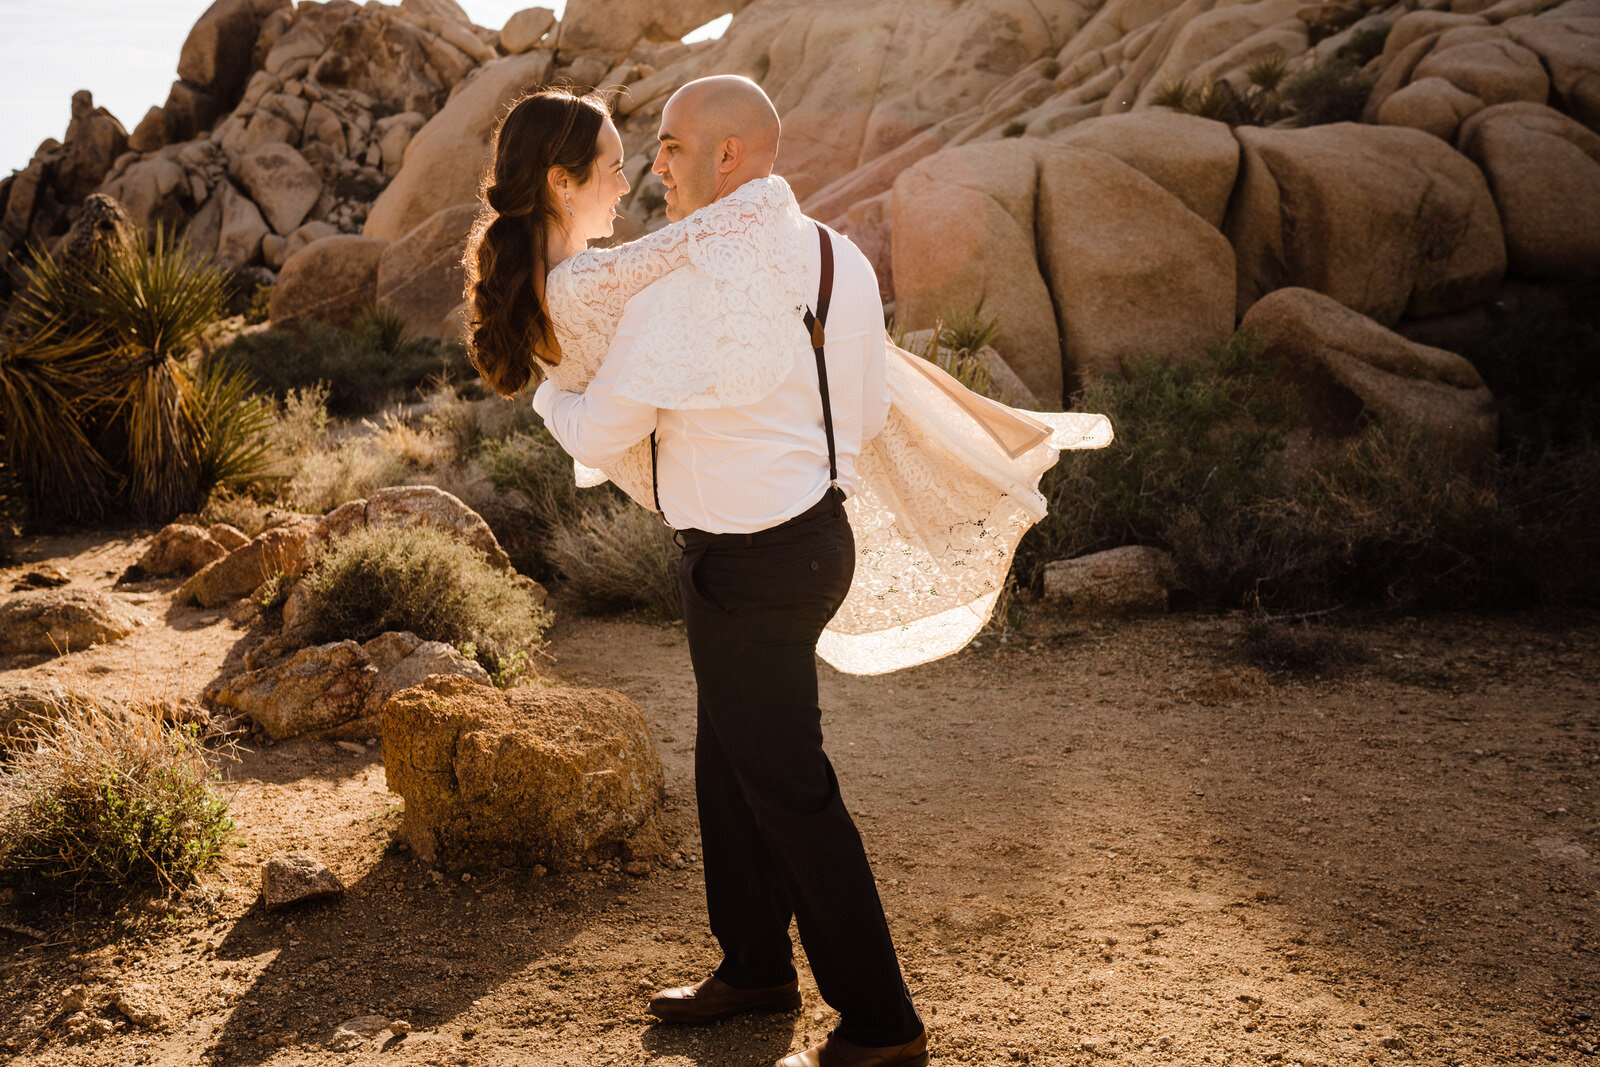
x,y
1197,468
611,552
616,554
98,802
1333,91
420,579
349,470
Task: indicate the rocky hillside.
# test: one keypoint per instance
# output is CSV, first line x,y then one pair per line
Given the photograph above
x,y
1110,180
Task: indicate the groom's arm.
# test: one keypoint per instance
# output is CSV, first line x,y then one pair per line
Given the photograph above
x,y
597,426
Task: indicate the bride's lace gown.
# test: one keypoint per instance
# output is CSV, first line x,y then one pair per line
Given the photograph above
x,y
947,488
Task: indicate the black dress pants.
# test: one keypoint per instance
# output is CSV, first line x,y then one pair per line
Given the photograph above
x,y
775,834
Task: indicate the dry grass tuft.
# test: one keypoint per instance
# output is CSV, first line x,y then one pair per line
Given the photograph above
x,y
92,801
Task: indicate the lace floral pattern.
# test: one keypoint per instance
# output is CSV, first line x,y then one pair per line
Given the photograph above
x,y
942,503
716,334
941,508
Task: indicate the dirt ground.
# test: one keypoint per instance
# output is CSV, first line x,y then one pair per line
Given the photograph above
x,y
1094,841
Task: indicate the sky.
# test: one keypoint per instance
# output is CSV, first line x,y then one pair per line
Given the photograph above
x,y
126,54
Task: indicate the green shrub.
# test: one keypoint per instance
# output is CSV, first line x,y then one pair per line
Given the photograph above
x,y
364,368
94,802
258,308
423,580
1333,91
1195,444
1198,468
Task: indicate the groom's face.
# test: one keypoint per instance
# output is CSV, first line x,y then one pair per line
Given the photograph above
x,y
687,158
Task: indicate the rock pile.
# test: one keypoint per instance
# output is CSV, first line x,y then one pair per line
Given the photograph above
x,y
1006,159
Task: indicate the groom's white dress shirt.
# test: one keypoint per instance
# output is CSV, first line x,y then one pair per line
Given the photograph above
x,y
743,469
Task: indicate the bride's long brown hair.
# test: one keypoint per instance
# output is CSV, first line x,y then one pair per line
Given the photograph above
x,y
508,252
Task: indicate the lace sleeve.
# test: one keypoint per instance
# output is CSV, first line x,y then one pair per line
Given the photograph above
x,y
587,293
711,337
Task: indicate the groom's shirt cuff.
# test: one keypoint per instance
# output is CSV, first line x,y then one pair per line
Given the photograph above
x,y
596,427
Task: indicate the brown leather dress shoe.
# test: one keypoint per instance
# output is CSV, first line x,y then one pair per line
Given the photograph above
x,y
837,1052
714,999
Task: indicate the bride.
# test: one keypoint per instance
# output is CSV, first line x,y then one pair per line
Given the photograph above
x,y
947,488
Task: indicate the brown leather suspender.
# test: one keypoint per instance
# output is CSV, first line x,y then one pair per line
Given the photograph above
x,y
815,324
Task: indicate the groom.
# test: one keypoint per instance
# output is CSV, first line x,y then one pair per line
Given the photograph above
x,y
756,494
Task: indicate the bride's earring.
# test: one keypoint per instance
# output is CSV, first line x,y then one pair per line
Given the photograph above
x,y
567,199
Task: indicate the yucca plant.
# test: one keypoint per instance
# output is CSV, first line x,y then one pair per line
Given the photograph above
x,y
1268,72
967,331
383,328
235,429
154,301
954,346
49,380
1172,94
1216,100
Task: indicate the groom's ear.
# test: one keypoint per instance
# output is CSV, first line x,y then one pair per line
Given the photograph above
x,y
730,155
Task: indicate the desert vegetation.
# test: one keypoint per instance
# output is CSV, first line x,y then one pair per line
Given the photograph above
x,y
98,801
1330,90
424,581
1210,463
106,405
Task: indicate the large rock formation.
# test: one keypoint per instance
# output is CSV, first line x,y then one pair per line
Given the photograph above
x,y
564,777
1544,170
1384,219
991,155
1350,370
445,159
1087,264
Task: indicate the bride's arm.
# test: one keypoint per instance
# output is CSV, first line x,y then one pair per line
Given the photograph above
x,y
604,279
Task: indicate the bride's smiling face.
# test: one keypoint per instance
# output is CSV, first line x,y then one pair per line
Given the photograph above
x,y
593,203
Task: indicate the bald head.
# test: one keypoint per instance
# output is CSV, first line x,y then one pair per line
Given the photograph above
x,y
716,134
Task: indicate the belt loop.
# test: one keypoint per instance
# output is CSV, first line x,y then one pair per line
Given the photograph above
x,y
677,539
